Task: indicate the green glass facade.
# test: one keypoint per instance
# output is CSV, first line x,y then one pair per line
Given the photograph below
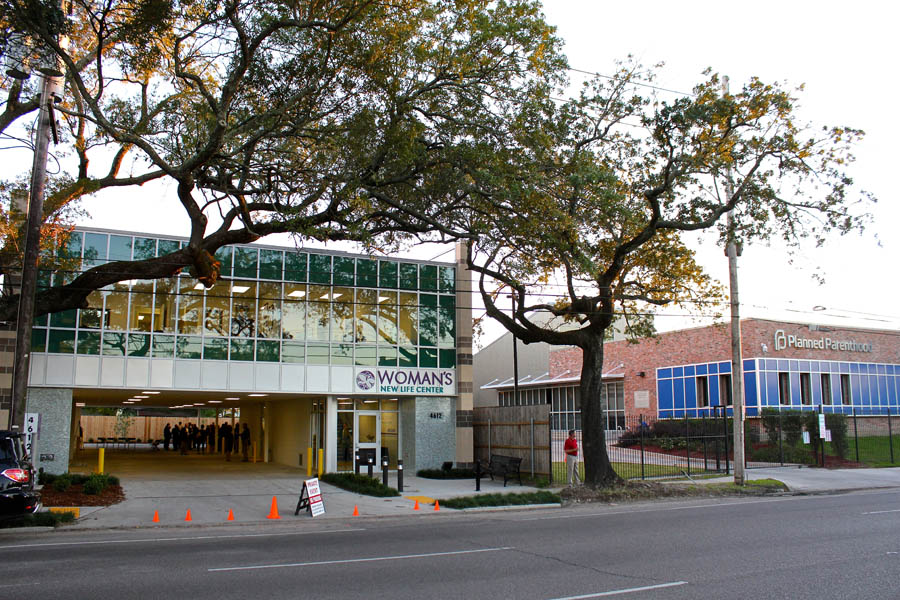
x,y
269,305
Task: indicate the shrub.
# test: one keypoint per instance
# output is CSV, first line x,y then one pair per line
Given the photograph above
x,y
96,483
41,519
62,483
446,474
46,478
542,497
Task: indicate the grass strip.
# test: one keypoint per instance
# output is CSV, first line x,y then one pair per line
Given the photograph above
x,y
521,499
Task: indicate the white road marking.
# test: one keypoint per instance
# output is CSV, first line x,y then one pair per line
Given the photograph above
x,y
625,591
881,512
359,560
176,539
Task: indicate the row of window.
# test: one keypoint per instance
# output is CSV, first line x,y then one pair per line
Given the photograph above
x,y
67,341
845,396
250,309
89,249
565,404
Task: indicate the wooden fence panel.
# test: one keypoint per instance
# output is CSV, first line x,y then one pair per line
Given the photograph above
x,y
520,431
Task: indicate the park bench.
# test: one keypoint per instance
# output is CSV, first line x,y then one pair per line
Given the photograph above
x,y
505,466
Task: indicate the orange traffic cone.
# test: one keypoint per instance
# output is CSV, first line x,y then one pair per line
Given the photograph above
x,y
230,515
273,513
156,516
187,517
416,507
437,505
355,510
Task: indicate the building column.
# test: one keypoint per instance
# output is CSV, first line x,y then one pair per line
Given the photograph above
x,y
331,434
51,450
465,440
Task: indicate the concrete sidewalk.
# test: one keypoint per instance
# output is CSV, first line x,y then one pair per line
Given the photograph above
x,y
812,480
170,485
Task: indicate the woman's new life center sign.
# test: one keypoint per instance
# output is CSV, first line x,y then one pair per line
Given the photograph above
x,y
412,382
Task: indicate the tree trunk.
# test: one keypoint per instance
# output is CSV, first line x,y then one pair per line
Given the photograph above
x,y
598,472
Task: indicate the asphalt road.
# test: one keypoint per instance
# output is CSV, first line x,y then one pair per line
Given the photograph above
x,y
838,546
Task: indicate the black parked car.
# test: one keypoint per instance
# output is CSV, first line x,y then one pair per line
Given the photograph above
x,y
17,495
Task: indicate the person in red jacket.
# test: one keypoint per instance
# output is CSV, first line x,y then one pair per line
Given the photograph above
x,y
571,450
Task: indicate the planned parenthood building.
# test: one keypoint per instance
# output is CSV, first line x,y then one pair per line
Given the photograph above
x,y
313,349
787,366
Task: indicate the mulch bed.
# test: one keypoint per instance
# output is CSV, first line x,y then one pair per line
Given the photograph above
x,y
648,490
75,496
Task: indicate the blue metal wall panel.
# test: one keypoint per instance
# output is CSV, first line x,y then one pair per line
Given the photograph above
x,y
678,394
714,390
795,388
664,394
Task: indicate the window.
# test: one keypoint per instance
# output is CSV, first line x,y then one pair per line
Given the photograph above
x,y
725,390
846,397
826,388
702,392
784,388
805,389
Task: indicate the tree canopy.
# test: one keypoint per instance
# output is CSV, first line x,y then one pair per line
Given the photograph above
x,y
334,120
604,186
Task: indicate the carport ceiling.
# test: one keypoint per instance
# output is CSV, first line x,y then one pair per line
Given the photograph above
x,y
169,398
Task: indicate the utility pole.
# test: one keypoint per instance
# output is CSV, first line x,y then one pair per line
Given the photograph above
x,y
737,362
512,298
51,91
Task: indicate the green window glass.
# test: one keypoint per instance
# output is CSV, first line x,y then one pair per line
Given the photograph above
x,y
293,352
94,249
318,309
69,252
243,308
164,305
409,276
38,340
61,341
293,312
215,349
245,260
269,322
407,319
163,346
428,357
64,318
144,248
116,314
365,323
387,317
408,357
267,351
366,356
295,266
448,358
167,247
88,342
114,344
119,247
190,305
342,314
447,321
138,344
428,275
387,274
191,347
343,270
242,349
71,248
366,272
342,354
317,354
223,255
270,264
447,277
91,317
320,268
387,356
141,305
428,320
216,317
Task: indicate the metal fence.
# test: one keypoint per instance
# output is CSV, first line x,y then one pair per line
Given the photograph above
x,y
648,448
795,437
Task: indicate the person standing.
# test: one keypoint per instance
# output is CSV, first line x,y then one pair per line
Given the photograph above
x,y
571,450
227,440
167,436
245,443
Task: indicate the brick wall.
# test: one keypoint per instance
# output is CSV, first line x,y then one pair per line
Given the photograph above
x,y
7,354
713,343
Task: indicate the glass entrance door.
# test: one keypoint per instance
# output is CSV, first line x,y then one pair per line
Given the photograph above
x,y
367,437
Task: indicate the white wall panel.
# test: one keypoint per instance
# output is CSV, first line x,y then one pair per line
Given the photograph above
x,y
187,374
60,370
342,380
38,368
317,378
213,375
112,371
266,376
292,378
87,371
137,372
240,376
162,373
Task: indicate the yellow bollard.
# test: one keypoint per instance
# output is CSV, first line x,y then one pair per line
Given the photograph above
x,y
100,458
309,456
321,462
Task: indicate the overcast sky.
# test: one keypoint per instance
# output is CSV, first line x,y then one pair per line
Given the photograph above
x,y
843,52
